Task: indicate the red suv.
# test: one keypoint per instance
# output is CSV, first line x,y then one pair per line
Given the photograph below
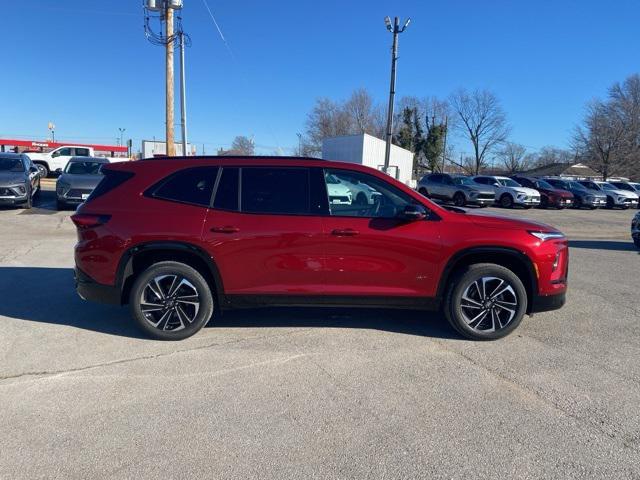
x,y
179,239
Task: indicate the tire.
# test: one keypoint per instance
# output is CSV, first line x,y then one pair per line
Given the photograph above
x,y
544,203
60,205
43,170
29,203
610,203
636,241
176,319
459,200
458,311
361,199
506,201
577,204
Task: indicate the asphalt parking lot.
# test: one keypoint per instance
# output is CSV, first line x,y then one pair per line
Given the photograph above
x,y
315,393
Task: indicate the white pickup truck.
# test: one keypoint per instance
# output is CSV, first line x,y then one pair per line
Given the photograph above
x,y
58,158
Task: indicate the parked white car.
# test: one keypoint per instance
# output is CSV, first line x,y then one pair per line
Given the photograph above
x,y
361,193
338,192
616,197
510,193
57,159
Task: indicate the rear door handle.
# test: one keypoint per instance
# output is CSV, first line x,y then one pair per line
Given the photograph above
x,y
226,229
347,232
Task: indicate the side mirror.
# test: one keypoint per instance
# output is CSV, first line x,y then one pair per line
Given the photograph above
x,y
34,169
496,184
414,213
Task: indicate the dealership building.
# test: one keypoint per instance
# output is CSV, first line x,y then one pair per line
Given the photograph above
x,y
16,145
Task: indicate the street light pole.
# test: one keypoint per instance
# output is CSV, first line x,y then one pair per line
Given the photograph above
x,y
121,130
171,147
395,30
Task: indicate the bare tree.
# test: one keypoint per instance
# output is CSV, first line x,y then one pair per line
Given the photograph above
x,y
600,141
482,120
243,145
514,157
550,155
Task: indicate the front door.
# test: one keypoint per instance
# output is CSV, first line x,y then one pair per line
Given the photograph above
x,y
265,231
369,250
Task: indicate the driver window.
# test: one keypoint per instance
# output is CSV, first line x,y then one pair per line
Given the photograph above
x,y
355,194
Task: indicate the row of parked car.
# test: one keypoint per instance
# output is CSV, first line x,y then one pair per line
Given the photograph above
x,y
527,192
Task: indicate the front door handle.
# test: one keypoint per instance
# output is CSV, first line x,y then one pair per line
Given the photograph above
x,y
347,232
225,229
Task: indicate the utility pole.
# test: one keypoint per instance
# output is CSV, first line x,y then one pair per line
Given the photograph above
x,y
121,130
444,147
171,147
395,30
183,96
299,143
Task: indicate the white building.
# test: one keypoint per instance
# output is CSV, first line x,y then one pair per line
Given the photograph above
x,y
369,151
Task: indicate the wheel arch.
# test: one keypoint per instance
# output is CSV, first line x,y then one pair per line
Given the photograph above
x,y
515,260
137,258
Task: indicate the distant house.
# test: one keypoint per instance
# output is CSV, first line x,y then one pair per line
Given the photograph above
x,y
569,170
368,150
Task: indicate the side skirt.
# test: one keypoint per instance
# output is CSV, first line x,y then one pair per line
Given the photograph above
x,y
255,301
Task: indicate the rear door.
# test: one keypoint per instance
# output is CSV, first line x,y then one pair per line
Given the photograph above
x,y
264,230
371,252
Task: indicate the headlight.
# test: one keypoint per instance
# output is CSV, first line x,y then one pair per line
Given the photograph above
x,y
621,199
544,236
20,189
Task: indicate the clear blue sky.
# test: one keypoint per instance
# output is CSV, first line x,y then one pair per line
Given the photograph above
x,y
87,66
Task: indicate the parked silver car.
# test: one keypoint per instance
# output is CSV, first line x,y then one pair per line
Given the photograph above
x,y
629,187
19,180
615,196
77,181
459,189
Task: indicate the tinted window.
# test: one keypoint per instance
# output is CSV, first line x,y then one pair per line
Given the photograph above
x,y
275,190
83,168
64,152
437,178
361,195
482,180
194,185
227,191
13,164
82,152
112,179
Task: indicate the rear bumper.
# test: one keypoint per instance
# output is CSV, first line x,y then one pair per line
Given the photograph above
x,y
88,289
547,303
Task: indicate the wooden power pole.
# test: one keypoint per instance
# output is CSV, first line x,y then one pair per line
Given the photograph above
x,y
171,146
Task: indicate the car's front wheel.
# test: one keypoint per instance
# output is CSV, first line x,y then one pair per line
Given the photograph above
x,y
485,302
171,301
459,200
506,201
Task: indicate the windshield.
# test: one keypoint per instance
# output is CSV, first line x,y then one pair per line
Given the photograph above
x,y
83,168
463,181
608,186
507,182
11,165
543,184
636,186
577,186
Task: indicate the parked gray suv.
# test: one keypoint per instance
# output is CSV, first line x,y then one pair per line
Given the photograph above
x,y
77,181
459,189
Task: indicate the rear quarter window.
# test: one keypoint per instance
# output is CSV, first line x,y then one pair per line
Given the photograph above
x,y
193,186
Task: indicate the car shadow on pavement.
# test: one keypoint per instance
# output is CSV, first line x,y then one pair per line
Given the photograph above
x,y
622,245
47,295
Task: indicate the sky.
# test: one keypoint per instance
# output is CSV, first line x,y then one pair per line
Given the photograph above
x,y
87,66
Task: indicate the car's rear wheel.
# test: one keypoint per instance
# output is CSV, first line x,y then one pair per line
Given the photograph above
x,y
171,301
506,201
29,203
44,171
459,199
485,302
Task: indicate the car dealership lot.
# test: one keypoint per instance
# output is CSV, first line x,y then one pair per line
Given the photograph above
x,y
300,393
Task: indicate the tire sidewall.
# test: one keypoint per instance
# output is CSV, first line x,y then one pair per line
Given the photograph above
x,y
171,268
453,310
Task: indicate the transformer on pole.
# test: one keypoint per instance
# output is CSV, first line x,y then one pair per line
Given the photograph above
x,y
162,12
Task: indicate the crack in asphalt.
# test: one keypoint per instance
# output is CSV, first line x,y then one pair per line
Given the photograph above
x,y
40,375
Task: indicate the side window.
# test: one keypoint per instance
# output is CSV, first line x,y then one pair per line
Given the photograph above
x,y
227,191
81,152
284,191
446,180
481,180
436,178
355,194
193,185
64,152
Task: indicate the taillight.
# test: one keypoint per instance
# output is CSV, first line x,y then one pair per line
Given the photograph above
x,y
89,220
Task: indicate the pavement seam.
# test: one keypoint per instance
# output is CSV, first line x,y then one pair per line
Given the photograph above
x,y
47,374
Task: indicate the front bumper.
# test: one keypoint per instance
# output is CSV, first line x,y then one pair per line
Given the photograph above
x,y
88,289
597,202
561,202
547,303
528,201
481,201
12,196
